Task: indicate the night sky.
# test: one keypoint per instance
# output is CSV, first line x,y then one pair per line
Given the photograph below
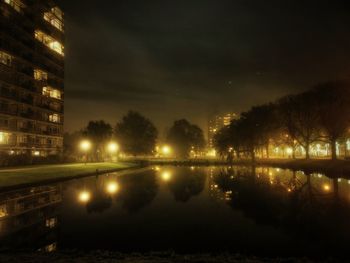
x,y
196,58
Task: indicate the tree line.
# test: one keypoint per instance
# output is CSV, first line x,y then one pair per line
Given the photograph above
x,y
137,136
319,115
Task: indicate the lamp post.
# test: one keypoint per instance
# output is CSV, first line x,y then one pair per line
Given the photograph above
x,y
112,148
85,146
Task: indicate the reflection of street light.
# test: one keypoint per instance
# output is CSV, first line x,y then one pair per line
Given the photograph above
x,y
85,146
112,147
166,176
326,187
112,187
84,197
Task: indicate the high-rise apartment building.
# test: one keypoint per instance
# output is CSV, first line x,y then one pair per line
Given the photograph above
x,y
31,77
217,123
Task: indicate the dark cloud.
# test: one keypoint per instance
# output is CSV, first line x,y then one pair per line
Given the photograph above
x,y
193,58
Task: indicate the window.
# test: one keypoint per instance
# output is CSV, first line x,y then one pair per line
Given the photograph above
x,y
5,58
22,139
40,75
4,138
51,223
52,93
57,12
54,118
54,17
49,42
3,210
16,4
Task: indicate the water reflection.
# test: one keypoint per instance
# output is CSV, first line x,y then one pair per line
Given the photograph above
x,y
251,210
186,184
309,206
30,216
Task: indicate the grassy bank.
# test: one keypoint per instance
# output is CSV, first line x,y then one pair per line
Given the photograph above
x,y
11,177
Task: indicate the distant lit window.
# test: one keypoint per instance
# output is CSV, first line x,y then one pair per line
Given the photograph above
x,y
51,223
16,4
52,93
4,138
40,75
54,17
51,248
5,58
54,118
49,42
57,12
22,139
3,210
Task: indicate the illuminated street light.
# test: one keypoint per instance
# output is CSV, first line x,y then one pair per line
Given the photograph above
x,y
112,147
166,150
85,146
112,187
84,196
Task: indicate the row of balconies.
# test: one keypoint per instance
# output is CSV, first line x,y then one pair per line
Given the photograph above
x,y
14,33
33,130
27,113
16,82
25,61
45,103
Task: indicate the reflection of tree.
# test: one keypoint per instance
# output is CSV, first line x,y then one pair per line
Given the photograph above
x,y
138,191
186,185
304,210
100,203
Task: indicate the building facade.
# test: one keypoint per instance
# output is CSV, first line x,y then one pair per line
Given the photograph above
x,y
31,77
217,123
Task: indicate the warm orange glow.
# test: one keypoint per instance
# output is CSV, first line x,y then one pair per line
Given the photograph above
x,y
112,187
166,149
166,176
326,187
85,145
84,197
112,147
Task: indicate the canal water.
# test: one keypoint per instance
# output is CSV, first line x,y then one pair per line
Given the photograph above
x,y
248,210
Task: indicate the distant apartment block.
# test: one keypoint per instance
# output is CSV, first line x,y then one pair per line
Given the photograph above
x,y
31,77
217,123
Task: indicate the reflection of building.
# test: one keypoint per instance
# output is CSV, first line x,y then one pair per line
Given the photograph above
x,y
217,123
214,190
28,215
31,77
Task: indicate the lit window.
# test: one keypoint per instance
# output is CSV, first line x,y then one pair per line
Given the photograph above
x,y
54,118
54,17
49,42
3,210
5,58
52,93
40,75
4,137
51,248
16,4
51,223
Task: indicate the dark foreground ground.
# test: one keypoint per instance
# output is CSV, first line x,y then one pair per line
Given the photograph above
x,y
108,257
